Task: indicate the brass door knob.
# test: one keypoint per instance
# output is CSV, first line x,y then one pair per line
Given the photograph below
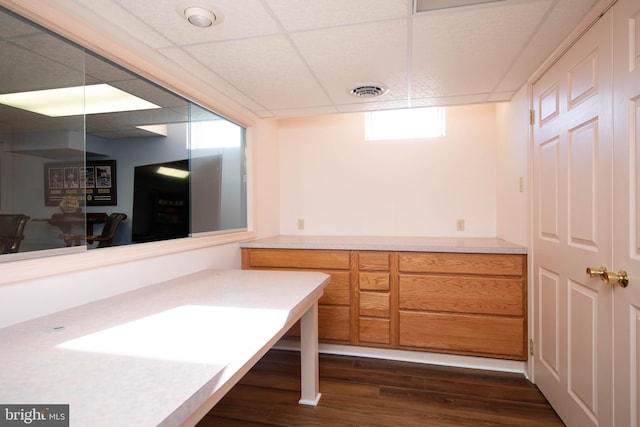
x,y
621,278
597,272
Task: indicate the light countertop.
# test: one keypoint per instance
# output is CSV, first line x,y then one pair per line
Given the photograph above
x,y
155,355
389,243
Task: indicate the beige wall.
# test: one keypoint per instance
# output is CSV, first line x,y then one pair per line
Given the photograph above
x,y
264,162
321,169
341,184
513,142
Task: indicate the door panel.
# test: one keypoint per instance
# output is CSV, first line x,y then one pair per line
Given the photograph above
x,y
583,369
572,230
548,315
549,168
583,198
626,172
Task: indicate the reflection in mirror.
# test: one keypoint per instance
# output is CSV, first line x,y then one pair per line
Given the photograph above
x,y
218,173
70,160
34,60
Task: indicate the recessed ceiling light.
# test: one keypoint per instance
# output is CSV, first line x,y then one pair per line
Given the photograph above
x,y
77,100
200,17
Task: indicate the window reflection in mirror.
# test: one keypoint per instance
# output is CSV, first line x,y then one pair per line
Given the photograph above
x,y
172,168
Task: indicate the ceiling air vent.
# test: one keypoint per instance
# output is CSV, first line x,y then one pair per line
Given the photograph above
x,y
368,91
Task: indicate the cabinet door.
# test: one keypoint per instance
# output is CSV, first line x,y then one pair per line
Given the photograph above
x,y
334,307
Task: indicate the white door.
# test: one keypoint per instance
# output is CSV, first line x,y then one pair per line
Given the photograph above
x,y
572,230
626,208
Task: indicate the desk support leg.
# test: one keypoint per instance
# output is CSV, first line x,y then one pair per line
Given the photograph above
x,y
310,374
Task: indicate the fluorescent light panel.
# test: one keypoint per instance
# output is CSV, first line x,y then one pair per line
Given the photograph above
x,y
74,101
429,5
157,129
172,172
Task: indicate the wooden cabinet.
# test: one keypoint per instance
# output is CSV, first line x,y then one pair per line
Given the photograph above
x,y
459,303
374,298
463,303
334,308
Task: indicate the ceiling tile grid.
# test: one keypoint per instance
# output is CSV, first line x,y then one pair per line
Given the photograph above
x,y
313,14
347,56
242,19
266,68
467,52
281,58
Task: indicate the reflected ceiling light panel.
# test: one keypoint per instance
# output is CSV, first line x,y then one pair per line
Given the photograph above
x,y
172,172
75,101
200,17
157,129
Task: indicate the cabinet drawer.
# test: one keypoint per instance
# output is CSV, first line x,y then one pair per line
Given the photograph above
x,y
337,291
375,331
368,281
441,262
374,304
298,258
334,323
462,294
484,335
373,260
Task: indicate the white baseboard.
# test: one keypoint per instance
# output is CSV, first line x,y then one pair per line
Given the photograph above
x,y
472,362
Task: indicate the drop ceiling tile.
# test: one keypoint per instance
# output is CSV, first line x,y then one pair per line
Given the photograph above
x,y
301,57
345,57
449,100
11,28
313,14
246,18
468,51
127,22
267,69
197,69
99,70
53,49
301,112
555,28
374,105
19,74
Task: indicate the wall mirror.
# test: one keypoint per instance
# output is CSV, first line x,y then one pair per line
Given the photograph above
x,y
82,139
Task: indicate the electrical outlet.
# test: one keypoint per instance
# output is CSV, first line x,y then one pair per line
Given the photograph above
x,y
460,224
301,224
521,184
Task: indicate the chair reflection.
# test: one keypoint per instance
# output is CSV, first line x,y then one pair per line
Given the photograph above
x,y
12,232
105,239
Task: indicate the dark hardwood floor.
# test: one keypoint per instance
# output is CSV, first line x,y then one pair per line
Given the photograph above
x,y
369,392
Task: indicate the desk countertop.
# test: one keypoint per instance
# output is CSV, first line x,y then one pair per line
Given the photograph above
x,y
153,356
389,243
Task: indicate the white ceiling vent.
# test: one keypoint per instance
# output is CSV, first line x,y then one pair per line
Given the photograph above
x,y
368,91
429,5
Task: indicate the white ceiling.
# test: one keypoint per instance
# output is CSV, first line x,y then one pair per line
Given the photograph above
x,y
282,58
